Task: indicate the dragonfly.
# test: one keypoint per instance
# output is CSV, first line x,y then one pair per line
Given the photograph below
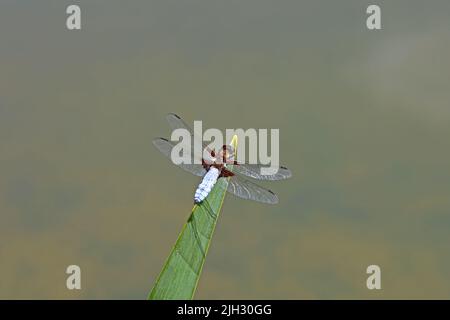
x,y
212,165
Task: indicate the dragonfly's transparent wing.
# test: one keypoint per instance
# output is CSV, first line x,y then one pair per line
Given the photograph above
x,y
246,189
254,171
165,146
175,122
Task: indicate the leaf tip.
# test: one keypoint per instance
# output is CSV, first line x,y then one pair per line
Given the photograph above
x,y
234,142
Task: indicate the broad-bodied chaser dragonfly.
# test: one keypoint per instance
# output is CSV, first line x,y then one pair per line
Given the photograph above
x,y
212,169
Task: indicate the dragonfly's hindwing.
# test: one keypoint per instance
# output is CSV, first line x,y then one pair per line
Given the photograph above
x,y
205,187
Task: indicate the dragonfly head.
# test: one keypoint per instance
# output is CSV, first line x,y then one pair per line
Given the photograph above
x,y
225,155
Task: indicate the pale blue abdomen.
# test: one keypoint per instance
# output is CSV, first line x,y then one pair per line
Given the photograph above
x,y
205,187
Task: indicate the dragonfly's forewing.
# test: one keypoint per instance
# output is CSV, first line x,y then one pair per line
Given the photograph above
x,y
165,146
175,122
246,189
254,171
